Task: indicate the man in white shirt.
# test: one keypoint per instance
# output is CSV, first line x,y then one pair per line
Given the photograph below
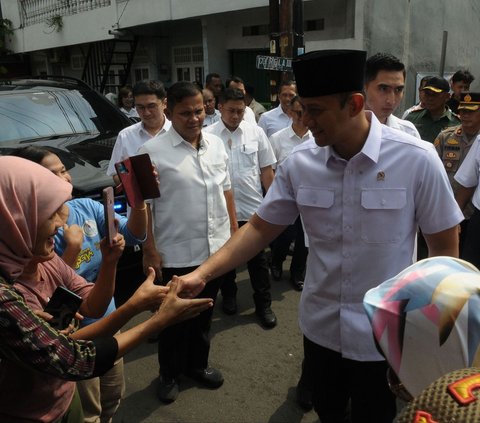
x,y
384,89
150,104
212,115
283,142
361,191
250,164
191,220
238,83
277,118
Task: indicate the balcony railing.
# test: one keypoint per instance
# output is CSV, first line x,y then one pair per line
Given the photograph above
x,y
39,11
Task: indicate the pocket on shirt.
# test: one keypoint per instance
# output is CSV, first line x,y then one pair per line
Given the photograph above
x,y
319,216
383,213
249,155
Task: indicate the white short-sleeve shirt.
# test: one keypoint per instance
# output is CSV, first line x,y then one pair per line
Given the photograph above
x,y
285,140
129,140
274,120
248,152
403,125
190,217
468,174
361,217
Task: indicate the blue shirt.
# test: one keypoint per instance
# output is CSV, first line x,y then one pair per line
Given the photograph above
x,y
89,215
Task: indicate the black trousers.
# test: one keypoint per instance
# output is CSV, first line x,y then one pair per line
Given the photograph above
x,y
259,278
338,382
471,246
186,345
281,246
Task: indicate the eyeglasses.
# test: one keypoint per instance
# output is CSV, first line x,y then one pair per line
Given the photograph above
x,y
151,107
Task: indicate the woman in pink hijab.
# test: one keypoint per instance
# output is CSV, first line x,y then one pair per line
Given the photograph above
x,y
30,197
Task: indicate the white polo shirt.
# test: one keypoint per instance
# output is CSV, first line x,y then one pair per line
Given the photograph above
x,y
248,152
361,218
190,217
274,120
129,140
285,140
402,125
468,174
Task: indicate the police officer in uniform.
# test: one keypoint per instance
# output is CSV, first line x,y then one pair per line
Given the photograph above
x,y
454,143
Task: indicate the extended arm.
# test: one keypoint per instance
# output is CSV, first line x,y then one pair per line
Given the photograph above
x,y
231,210
151,257
137,221
148,296
266,176
463,196
242,246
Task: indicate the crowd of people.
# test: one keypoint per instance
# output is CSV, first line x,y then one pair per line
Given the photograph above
x,y
329,175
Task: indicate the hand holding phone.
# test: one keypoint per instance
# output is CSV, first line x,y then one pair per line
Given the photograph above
x,y
62,306
110,226
138,179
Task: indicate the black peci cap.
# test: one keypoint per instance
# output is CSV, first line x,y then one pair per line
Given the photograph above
x,y
327,72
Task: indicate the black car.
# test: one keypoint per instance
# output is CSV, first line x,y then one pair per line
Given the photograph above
x,y
72,120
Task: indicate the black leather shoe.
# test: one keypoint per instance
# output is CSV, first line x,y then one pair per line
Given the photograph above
x,y
209,377
229,305
167,390
276,272
297,281
267,317
304,397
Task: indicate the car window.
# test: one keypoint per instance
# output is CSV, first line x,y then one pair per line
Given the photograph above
x,y
40,114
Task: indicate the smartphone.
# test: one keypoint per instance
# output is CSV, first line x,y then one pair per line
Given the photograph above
x,y
62,306
109,212
138,180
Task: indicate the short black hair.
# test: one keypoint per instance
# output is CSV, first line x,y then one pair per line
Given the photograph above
x,y
463,75
235,79
382,61
210,76
180,90
33,153
150,88
286,83
231,94
250,90
122,93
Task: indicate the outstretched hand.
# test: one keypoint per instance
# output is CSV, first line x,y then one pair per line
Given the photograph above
x,y
175,309
148,296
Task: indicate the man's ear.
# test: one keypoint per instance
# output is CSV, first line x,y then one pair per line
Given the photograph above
x,y
168,113
356,103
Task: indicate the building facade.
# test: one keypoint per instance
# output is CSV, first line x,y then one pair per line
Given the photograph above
x,y
174,40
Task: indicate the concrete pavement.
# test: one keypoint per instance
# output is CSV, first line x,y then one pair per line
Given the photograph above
x,y
261,369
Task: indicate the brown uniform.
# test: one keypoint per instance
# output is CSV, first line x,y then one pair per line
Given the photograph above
x,y
452,145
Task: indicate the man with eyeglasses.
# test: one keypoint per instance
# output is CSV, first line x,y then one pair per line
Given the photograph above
x,y
150,102
250,158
